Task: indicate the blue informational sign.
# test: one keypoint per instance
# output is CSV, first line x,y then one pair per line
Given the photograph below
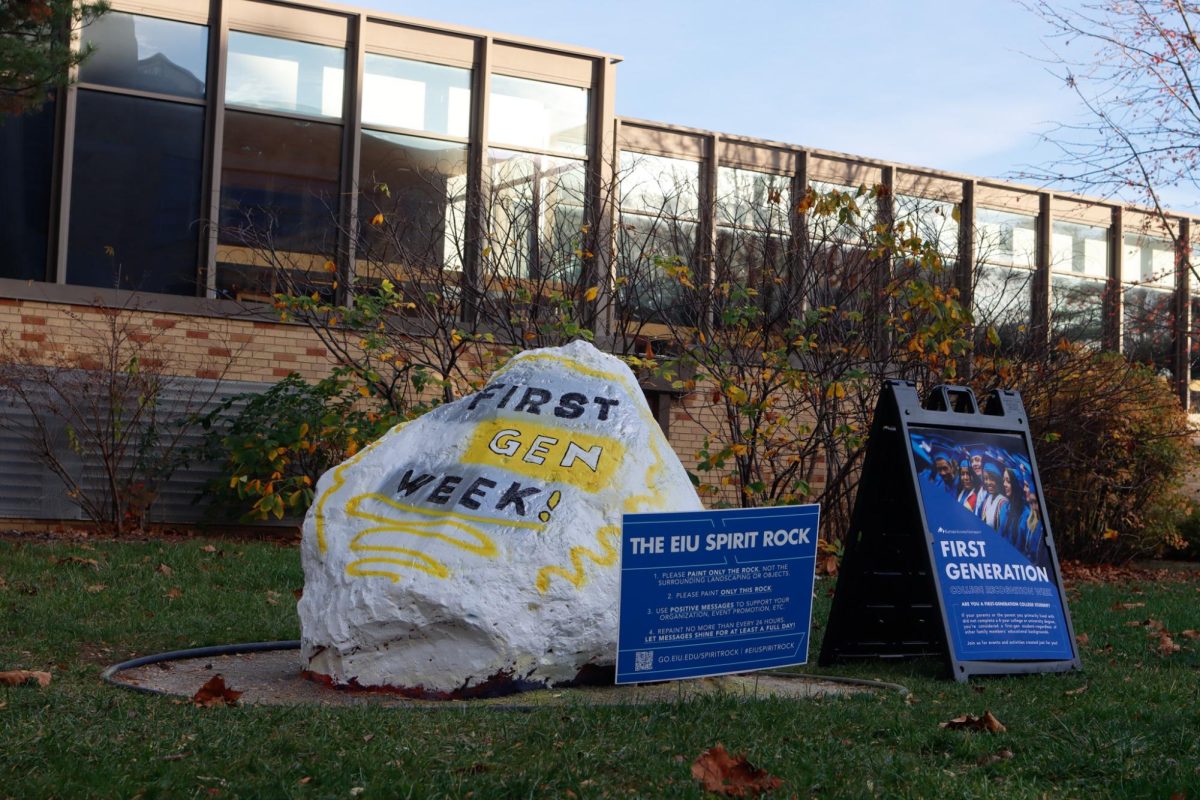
x,y
715,592
987,524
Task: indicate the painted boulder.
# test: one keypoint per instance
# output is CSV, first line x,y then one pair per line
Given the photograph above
x,y
475,549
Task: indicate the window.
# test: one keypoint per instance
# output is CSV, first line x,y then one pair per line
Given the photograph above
x,y
27,153
1148,332
538,115
1006,255
399,93
1148,260
1077,309
279,203
283,75
1079,249
753,224
535,223
135,194
146,54
656,247
934,221
419,187
841,213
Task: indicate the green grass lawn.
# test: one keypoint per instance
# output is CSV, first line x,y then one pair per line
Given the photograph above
x,y
1134,731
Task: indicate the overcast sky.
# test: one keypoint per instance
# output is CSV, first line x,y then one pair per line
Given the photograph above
x,y
954,86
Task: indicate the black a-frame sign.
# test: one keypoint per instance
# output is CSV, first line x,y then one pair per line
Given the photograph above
x,y
949,551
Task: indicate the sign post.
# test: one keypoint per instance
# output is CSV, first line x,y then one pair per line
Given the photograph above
x,y
949,551
715,592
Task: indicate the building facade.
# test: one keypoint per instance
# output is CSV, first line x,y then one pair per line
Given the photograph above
x,y
206,141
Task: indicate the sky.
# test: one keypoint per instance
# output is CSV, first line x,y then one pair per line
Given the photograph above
x,y
954,86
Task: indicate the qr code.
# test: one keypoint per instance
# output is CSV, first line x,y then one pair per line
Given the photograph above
x,y
643,660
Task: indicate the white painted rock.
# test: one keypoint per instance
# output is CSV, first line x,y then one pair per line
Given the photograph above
x,y
476,549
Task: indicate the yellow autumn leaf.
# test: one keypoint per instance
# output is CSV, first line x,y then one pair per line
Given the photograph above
x,y
377,219
591,293
330,266
739,449
1110,534
364,391
835,391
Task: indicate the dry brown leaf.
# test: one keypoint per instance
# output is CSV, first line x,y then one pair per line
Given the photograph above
x,y
1082,639
3,704
95,588
208,548
971,722
1190,634
215,693
17,677
304,780
272,598
80,560
1166,645
164,569
174,593
731,776
994,758
298,593
1080,690
1126,606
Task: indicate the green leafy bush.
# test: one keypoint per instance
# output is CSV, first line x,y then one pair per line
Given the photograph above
x,y
275,445
1113,448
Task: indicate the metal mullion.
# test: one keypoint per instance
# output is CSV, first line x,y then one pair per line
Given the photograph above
x,y
706,240
121,90
798,246
63,187
414,134
964,270
1040,291
477,181
351,155
274,112
215,136
1114,300
600,196
1181,340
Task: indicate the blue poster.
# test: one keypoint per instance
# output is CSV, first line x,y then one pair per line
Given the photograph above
x,y
999,590
715,592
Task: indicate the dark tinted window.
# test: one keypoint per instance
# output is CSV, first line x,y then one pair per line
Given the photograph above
x,y
279,201
145,53
26,159
135,194
419,187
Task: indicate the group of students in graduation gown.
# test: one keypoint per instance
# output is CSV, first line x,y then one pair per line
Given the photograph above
x,y
1003,497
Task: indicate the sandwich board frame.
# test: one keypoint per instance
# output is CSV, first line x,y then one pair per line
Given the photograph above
x,y
922,574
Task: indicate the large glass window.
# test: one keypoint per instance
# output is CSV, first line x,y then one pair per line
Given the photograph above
x,y
284,75
656,247
535,220
147,54
1079,249
1077,309
1148,260
934,221
841,214
1006,254
753,210
399,93
135,194
1149,327
417,187
27,153
279,202
538,115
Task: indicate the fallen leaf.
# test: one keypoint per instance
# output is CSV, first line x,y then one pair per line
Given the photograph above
x,y
80,560
95,588
297,593
3,704
176,757
731,776
18,677
215,693
368,737
164,569
971,722
272,598
355,791
1126,606
1166,645
208,548
304,780
911,699
1082,639
993,758
1080,690
174,593
1190,634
